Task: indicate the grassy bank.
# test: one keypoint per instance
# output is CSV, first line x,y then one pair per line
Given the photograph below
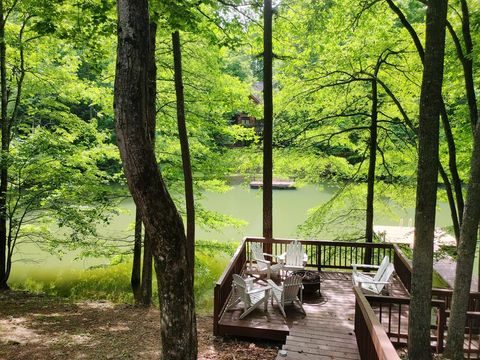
x,y
112,282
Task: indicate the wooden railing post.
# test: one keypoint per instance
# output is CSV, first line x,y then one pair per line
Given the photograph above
x,y
216,308
402,268
441,323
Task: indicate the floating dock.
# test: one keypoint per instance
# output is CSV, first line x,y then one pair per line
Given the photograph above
x,y
276,185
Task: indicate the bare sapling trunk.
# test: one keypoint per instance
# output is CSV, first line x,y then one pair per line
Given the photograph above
x,y
268,123
371,170
135,279
162,222
4,249
182,133
427,181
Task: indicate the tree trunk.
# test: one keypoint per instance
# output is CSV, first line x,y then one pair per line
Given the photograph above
x,y
471,215
182,133
452,163
147,268
465,257
135,279
267,121
5,148
468,66
427,182
162,222
371,169
451,202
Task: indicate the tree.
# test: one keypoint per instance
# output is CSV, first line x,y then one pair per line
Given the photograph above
x,y
185,150
430,106
471,215
267,121
162,222
147,266
52,152
465,257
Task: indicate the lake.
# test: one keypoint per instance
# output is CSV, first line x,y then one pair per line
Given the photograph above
x,y
290,209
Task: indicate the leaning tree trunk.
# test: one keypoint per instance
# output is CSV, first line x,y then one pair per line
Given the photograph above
x,y
162,222
427,182
182,134
371,170
471,215
267,123
4,150
456,204
147,268
465,257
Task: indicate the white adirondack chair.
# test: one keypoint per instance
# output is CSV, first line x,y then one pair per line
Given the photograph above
x,y
294,258
377,282
251,298
288,293
259,265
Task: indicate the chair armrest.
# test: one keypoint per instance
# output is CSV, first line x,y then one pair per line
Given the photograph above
x,y
273,285
258,289
366,266
263,261
270,255
373,282
355,266
282,256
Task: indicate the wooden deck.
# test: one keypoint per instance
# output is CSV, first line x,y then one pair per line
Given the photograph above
x,y
326,332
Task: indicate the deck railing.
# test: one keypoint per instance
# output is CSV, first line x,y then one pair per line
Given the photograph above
x,y
472,324
392,313
403,268
372,339
222,288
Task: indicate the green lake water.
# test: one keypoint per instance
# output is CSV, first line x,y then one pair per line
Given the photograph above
x,y
290,209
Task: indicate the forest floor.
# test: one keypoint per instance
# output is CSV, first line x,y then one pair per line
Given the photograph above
x,y
42,327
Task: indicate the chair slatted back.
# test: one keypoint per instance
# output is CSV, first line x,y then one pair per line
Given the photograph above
x,y
240,289
387,274
256,249
291,285
294,256
381,269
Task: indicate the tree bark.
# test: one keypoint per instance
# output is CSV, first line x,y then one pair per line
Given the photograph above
x,y
267,121
427,182
5,147
465,257
135,279
471,215
147,272
371,168
451,202
182,133
147,268
162,222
